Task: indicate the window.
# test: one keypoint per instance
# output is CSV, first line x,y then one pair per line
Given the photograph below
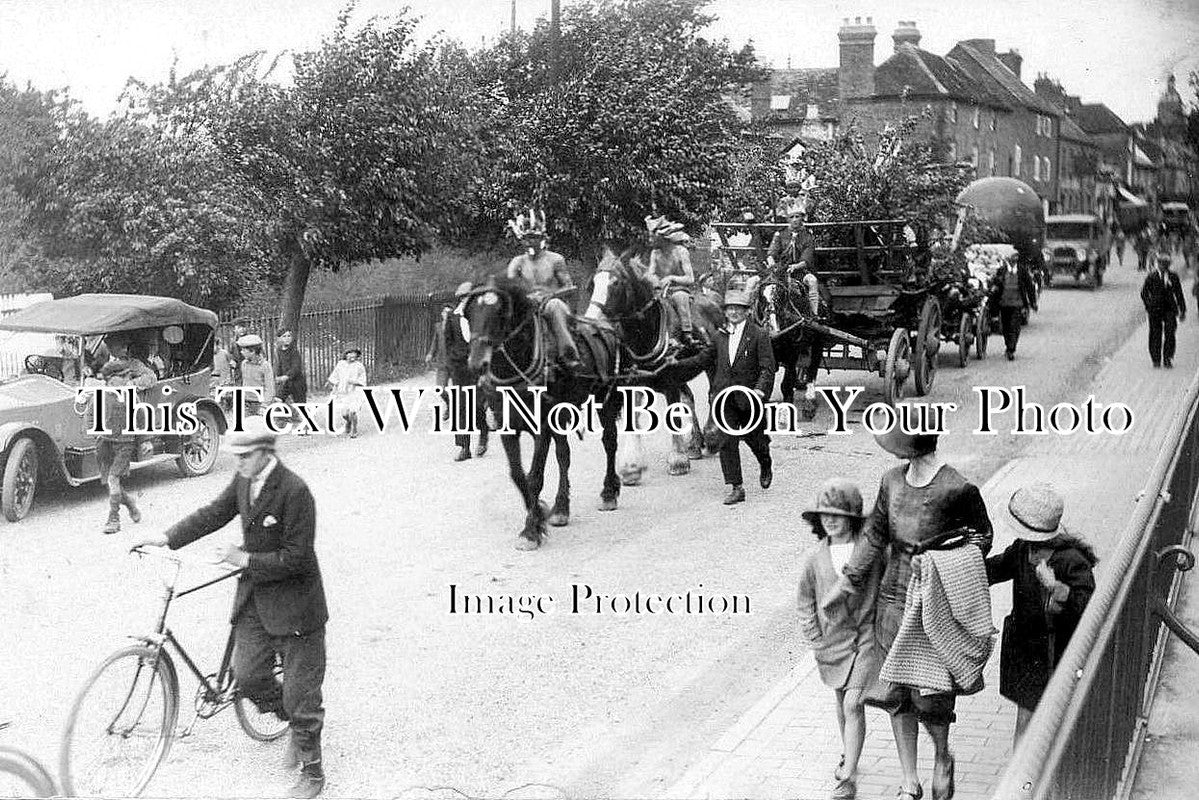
x,y
953,112
1016,155
974,157
991,162
953,151
977,113
1036,168
994,119
1045,168
780,102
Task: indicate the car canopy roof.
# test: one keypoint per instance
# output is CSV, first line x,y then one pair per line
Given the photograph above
x,y
88,314
1069,218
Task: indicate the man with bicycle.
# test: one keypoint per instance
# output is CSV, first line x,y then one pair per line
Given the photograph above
x,y
280,606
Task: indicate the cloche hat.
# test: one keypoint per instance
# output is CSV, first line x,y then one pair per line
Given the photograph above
x,y
837,496
899,442
1034,513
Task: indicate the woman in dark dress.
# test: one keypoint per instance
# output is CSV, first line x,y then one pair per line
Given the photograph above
x,y
917,502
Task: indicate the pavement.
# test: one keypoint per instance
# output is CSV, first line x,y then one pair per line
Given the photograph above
x,y
786,745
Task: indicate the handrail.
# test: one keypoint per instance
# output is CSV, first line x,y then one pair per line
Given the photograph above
x,y
1035,762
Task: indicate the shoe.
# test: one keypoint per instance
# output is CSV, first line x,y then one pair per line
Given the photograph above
x,y
736,495
463,454
1157,365
844,789
1168,363
907,794
310,783
481,450
1011,355
767,476
113,525
943,781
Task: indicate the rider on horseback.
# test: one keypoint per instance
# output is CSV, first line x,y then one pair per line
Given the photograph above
x,y
544,272
792,252
670,271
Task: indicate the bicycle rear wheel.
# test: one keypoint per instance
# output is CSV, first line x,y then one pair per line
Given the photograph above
x,y
121,724
22,776
259,726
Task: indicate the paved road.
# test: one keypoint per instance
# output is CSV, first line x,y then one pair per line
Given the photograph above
x,y
594,704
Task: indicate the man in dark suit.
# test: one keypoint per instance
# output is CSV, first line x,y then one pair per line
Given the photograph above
x,y
742,357
1166,305
279,608
455,334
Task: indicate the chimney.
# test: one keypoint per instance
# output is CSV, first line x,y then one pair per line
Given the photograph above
x,y
855,77
1012,60
906,33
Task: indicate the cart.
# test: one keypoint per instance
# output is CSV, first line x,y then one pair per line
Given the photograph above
x,y
881,317
966,322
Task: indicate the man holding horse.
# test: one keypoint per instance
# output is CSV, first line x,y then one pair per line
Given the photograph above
x,y
544,272
670,271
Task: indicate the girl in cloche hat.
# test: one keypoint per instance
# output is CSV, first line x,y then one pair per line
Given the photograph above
x,y
840,632
1052,581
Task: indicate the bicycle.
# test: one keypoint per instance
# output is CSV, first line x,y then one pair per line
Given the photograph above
x,y
22,775
143,709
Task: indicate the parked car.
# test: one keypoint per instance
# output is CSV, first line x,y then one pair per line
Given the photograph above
x,y
1078,245
1178,219
50,350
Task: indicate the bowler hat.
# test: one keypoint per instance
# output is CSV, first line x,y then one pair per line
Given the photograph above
x,y
837,496
899,442
734,297
1035,513
255,435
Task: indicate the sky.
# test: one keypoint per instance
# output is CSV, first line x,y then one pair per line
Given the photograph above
x,y
1116,52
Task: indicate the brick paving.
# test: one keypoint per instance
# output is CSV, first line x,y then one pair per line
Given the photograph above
x,y
787,745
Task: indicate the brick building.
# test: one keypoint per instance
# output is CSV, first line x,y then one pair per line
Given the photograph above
x,y
1078,156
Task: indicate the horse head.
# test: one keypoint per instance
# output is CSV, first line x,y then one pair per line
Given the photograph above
x,y
497,312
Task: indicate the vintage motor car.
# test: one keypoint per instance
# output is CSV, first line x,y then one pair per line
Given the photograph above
x,y
1077,245
50,350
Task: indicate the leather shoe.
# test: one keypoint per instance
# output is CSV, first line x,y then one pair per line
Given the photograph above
x,y
1168,363
463,454
481,450
310,783
736,495
767,476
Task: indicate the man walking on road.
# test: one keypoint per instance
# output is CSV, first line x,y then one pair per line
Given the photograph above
x,y
279,609
743,357
1166,306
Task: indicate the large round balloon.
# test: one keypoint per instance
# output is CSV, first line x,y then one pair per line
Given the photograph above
x,y
1011,206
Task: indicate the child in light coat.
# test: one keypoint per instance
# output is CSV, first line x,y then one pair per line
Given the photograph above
x,y
840,630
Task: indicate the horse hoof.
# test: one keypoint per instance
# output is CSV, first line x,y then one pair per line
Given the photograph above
x,y
559,519
695,453
678,466
630,477
525,543
607,504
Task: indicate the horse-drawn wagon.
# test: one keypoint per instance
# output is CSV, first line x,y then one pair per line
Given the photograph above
x,y
880,312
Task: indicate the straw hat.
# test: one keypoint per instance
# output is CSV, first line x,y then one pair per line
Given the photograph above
x,y
899,442
733,297
250,340
837,496
1034,513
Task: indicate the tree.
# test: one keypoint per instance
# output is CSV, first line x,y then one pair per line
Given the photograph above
x,y
26,128
635,123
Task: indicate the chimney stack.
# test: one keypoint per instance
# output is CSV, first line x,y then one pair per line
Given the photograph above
x,y
1012,60
906,33
855,76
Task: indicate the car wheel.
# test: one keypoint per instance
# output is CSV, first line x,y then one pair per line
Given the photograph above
x,y
20,480
199,451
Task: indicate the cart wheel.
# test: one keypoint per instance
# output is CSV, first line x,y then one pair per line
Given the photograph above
x,y
928,343
982,331
965,338
899,364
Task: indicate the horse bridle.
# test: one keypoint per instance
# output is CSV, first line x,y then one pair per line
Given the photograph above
x,y
500,346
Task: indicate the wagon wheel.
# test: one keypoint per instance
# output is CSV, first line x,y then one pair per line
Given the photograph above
x,y
928,343
965,337
899,364
982,330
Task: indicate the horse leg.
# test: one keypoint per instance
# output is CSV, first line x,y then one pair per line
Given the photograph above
x,y
630,449
560,513
694,441
608,416
530,536
679,463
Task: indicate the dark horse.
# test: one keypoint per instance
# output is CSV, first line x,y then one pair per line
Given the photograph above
x,y
646,323
796,349
509,347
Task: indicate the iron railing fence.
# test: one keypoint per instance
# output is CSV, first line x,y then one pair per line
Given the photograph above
x,y
1084,740
390,330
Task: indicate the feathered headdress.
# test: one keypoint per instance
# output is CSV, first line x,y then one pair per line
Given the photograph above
x,y
528,224
671,231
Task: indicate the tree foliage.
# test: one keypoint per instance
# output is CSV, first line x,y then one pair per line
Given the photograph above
x,y
27,128
626,118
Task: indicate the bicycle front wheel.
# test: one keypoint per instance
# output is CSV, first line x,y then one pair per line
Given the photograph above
x,y
22,776
259,726
121,724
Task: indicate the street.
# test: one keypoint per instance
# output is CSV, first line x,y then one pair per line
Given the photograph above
x,y
590,704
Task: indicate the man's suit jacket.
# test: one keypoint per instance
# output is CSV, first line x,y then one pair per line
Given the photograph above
x,y
789,248
457,348
1163,298
754,365
283,579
